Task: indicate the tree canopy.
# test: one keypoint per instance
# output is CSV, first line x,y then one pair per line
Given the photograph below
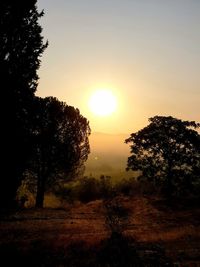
x,y
167,152
21,46
61,143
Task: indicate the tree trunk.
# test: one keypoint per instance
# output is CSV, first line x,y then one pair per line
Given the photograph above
x,y
40,192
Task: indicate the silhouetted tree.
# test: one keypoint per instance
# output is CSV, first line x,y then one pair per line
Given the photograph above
x,y
21,46
167,152
61,142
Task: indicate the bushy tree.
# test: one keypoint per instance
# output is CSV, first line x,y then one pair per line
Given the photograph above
x,y
21,46
60,143
167,152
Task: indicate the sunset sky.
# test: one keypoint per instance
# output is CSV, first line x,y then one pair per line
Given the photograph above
x,y
147,52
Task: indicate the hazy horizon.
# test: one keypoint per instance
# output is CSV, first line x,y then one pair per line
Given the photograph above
x,y
108,156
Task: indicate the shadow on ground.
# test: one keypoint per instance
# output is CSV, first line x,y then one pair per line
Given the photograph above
x,y
116,251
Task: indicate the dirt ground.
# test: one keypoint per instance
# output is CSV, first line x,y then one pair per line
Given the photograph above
x,y
176,228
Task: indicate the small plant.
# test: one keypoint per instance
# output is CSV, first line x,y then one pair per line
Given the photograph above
x,y
116,215
118,250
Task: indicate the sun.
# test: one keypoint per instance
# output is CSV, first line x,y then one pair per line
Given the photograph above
x,y
102,102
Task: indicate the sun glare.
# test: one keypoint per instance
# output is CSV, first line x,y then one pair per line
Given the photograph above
x,y
102,102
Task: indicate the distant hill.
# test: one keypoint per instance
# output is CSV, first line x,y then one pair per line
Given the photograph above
x,y
108,155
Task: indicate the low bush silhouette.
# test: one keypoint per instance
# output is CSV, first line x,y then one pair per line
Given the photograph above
x,y
85,189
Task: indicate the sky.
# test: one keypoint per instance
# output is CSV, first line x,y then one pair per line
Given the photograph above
x,y
147,52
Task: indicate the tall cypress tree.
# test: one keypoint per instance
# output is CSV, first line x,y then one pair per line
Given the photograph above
x,y
21,46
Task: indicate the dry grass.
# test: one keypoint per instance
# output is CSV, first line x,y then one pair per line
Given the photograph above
x,y
178,230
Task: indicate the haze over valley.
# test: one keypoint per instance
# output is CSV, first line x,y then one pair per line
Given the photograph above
x,y
108,155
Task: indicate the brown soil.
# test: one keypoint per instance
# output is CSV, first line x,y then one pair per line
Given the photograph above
x,y
177,229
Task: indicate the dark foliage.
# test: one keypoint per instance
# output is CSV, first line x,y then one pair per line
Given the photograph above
x,y
60,141
85,189
167,152
88,190
21,46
